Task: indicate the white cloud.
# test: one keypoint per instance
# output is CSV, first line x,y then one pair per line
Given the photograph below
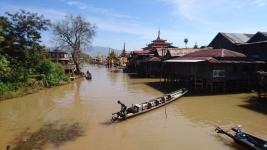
x,y
260,3
96,10
198,10
48,13
126,26
77,4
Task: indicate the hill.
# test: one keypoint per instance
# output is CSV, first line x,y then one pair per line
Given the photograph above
x,y
99,51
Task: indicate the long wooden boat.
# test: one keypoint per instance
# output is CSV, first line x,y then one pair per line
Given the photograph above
x,y
245,139
138,109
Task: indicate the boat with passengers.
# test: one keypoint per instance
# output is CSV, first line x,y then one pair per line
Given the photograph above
x,y
140,108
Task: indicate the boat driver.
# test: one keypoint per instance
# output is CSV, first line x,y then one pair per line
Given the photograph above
x,y
123,108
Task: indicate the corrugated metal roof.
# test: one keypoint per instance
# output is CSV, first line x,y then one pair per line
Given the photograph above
x,y
174,52
141,52
264,33
215,53
236,61
182,52
188,60
249,35
258,37
214,56
152,59
237,37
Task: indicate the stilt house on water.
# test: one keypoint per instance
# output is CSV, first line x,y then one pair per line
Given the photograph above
x,y
262,85
63,58
252,45
213,70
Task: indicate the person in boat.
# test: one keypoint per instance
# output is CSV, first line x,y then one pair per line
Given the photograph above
x,y
162,100
123,109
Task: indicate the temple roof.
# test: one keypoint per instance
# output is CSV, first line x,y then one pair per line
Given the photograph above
x,y
158,43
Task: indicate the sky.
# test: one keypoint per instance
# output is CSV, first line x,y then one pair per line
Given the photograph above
x,y
136,22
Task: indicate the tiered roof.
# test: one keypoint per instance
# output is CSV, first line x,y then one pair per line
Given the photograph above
x,y
158,43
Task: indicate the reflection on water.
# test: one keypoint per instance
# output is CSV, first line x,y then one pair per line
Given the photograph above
x,y
189,123
53,133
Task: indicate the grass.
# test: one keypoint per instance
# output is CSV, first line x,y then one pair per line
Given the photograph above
x,y
26,89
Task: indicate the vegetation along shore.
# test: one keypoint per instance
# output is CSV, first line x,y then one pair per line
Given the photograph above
x,y
25,65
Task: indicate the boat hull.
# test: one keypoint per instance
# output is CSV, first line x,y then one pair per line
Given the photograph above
x,y
245,139
174,96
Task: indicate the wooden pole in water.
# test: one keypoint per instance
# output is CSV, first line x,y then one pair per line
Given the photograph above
x,y
166,113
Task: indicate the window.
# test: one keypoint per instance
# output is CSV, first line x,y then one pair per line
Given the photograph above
x,y
218,73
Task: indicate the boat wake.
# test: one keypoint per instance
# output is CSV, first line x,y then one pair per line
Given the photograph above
x,y
107,122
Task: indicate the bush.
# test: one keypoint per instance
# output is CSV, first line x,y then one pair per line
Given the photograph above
x,y
7,86
51,73
4,68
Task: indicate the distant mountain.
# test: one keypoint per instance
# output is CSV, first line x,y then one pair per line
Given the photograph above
x,y
99,51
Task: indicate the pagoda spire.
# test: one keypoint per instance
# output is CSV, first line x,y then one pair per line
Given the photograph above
x,y
158,38
123,53
124,46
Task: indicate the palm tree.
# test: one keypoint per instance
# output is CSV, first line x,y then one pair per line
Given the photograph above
x,y
195,46
185,41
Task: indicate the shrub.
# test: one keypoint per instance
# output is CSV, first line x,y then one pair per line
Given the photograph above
x,y
4,68
7,86
51,73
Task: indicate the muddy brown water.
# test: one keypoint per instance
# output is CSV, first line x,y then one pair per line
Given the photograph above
x,y
187,124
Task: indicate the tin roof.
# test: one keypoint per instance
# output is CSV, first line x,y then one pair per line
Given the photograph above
x,y
215,53
141,52
182,51
174,52
215,56
152,59
258,37
237,37
187,60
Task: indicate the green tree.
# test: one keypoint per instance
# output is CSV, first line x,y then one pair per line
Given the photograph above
x,y
1,34
22,38
4,68
185,42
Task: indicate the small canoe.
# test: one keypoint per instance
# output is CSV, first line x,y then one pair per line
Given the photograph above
x,y
88,76
245,139
138,109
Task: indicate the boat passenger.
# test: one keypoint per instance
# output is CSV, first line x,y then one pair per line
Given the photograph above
x,y
149,105
123,109
156,102
162,100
